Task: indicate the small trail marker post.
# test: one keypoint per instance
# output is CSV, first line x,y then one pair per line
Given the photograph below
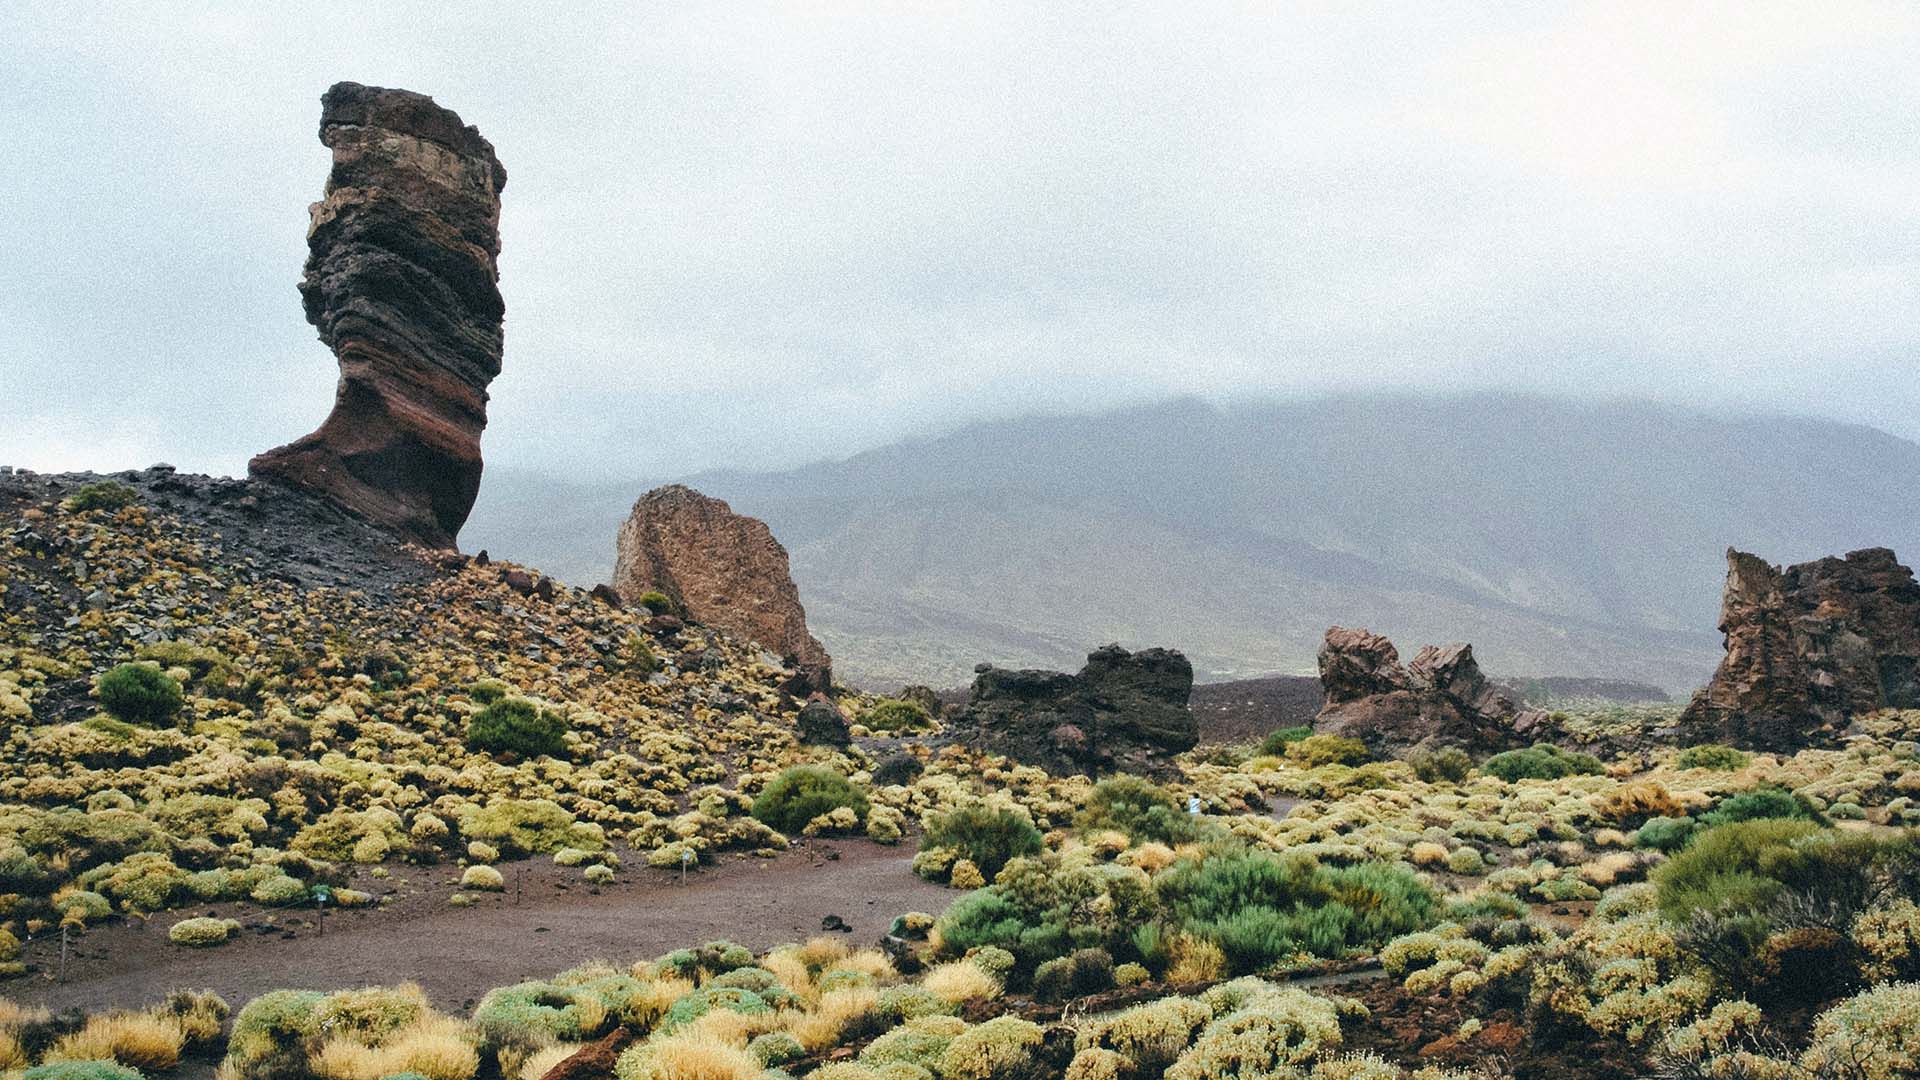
x,y
321,894
686,859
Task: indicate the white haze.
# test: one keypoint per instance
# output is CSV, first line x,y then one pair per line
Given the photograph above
x,y
750,235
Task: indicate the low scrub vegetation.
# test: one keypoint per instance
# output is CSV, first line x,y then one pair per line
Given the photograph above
x,y
518,727
800,794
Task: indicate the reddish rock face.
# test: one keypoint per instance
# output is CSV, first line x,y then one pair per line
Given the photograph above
x,y
721,568
1439,699
1359,663
401,283
1808,647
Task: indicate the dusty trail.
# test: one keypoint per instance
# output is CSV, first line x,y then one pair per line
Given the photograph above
x,y
458,954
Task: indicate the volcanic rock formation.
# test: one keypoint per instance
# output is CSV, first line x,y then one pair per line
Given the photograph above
x,y
721,568
1439,699
1808,647
1122,711
401,282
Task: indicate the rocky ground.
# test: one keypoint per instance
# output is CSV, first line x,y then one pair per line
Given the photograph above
x,y
1246,709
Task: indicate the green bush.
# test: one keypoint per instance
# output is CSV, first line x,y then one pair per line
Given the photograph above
x,y
1329,750
80,1070
140,693
989,836
206,665
1141,809
517,726
1668,834
1261,909
641,657
488,691
143,881
1082,972
101,495
775,1048
1278,740
270,1033
279,891
1761,802
1540,762
803,793
983,917
1746,867
201,933
1492,906
657,602
892,714
704,1000
1450,764
1713,756
529,826
533,1014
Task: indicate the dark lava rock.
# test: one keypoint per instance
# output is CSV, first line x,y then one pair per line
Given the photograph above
x,y
821,723
1122,711
808,680
1440,699
1808,647
401,282
901,768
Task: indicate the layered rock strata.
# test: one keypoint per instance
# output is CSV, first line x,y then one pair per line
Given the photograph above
x,y
401,282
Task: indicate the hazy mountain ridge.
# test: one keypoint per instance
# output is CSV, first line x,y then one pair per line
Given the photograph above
x,y
1560,537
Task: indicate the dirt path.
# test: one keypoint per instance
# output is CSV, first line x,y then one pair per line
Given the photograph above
x,y
456,954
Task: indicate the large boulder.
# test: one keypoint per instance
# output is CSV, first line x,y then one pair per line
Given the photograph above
x,y
1809,647
1439,699
720,568
821,723
1124,710
401,282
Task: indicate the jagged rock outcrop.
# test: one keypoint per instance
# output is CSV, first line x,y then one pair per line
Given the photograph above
x,y
401,282
1808,647
1124,710
721,568
1439,699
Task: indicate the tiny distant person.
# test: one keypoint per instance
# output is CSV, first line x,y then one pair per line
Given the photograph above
x,y
1193,805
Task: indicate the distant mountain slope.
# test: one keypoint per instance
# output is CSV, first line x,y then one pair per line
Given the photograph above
x,y
1559,537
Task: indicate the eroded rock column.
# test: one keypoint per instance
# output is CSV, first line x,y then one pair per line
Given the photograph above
x,y
402,283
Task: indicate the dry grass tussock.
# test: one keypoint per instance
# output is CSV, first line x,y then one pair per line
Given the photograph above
x,y
435,1047
838,1011
696,1055
140,1041
542,1061
960,980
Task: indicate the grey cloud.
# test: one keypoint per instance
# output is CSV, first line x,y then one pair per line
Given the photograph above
x,y
754,236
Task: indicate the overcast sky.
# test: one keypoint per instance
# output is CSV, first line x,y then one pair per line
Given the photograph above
x,y
737,235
